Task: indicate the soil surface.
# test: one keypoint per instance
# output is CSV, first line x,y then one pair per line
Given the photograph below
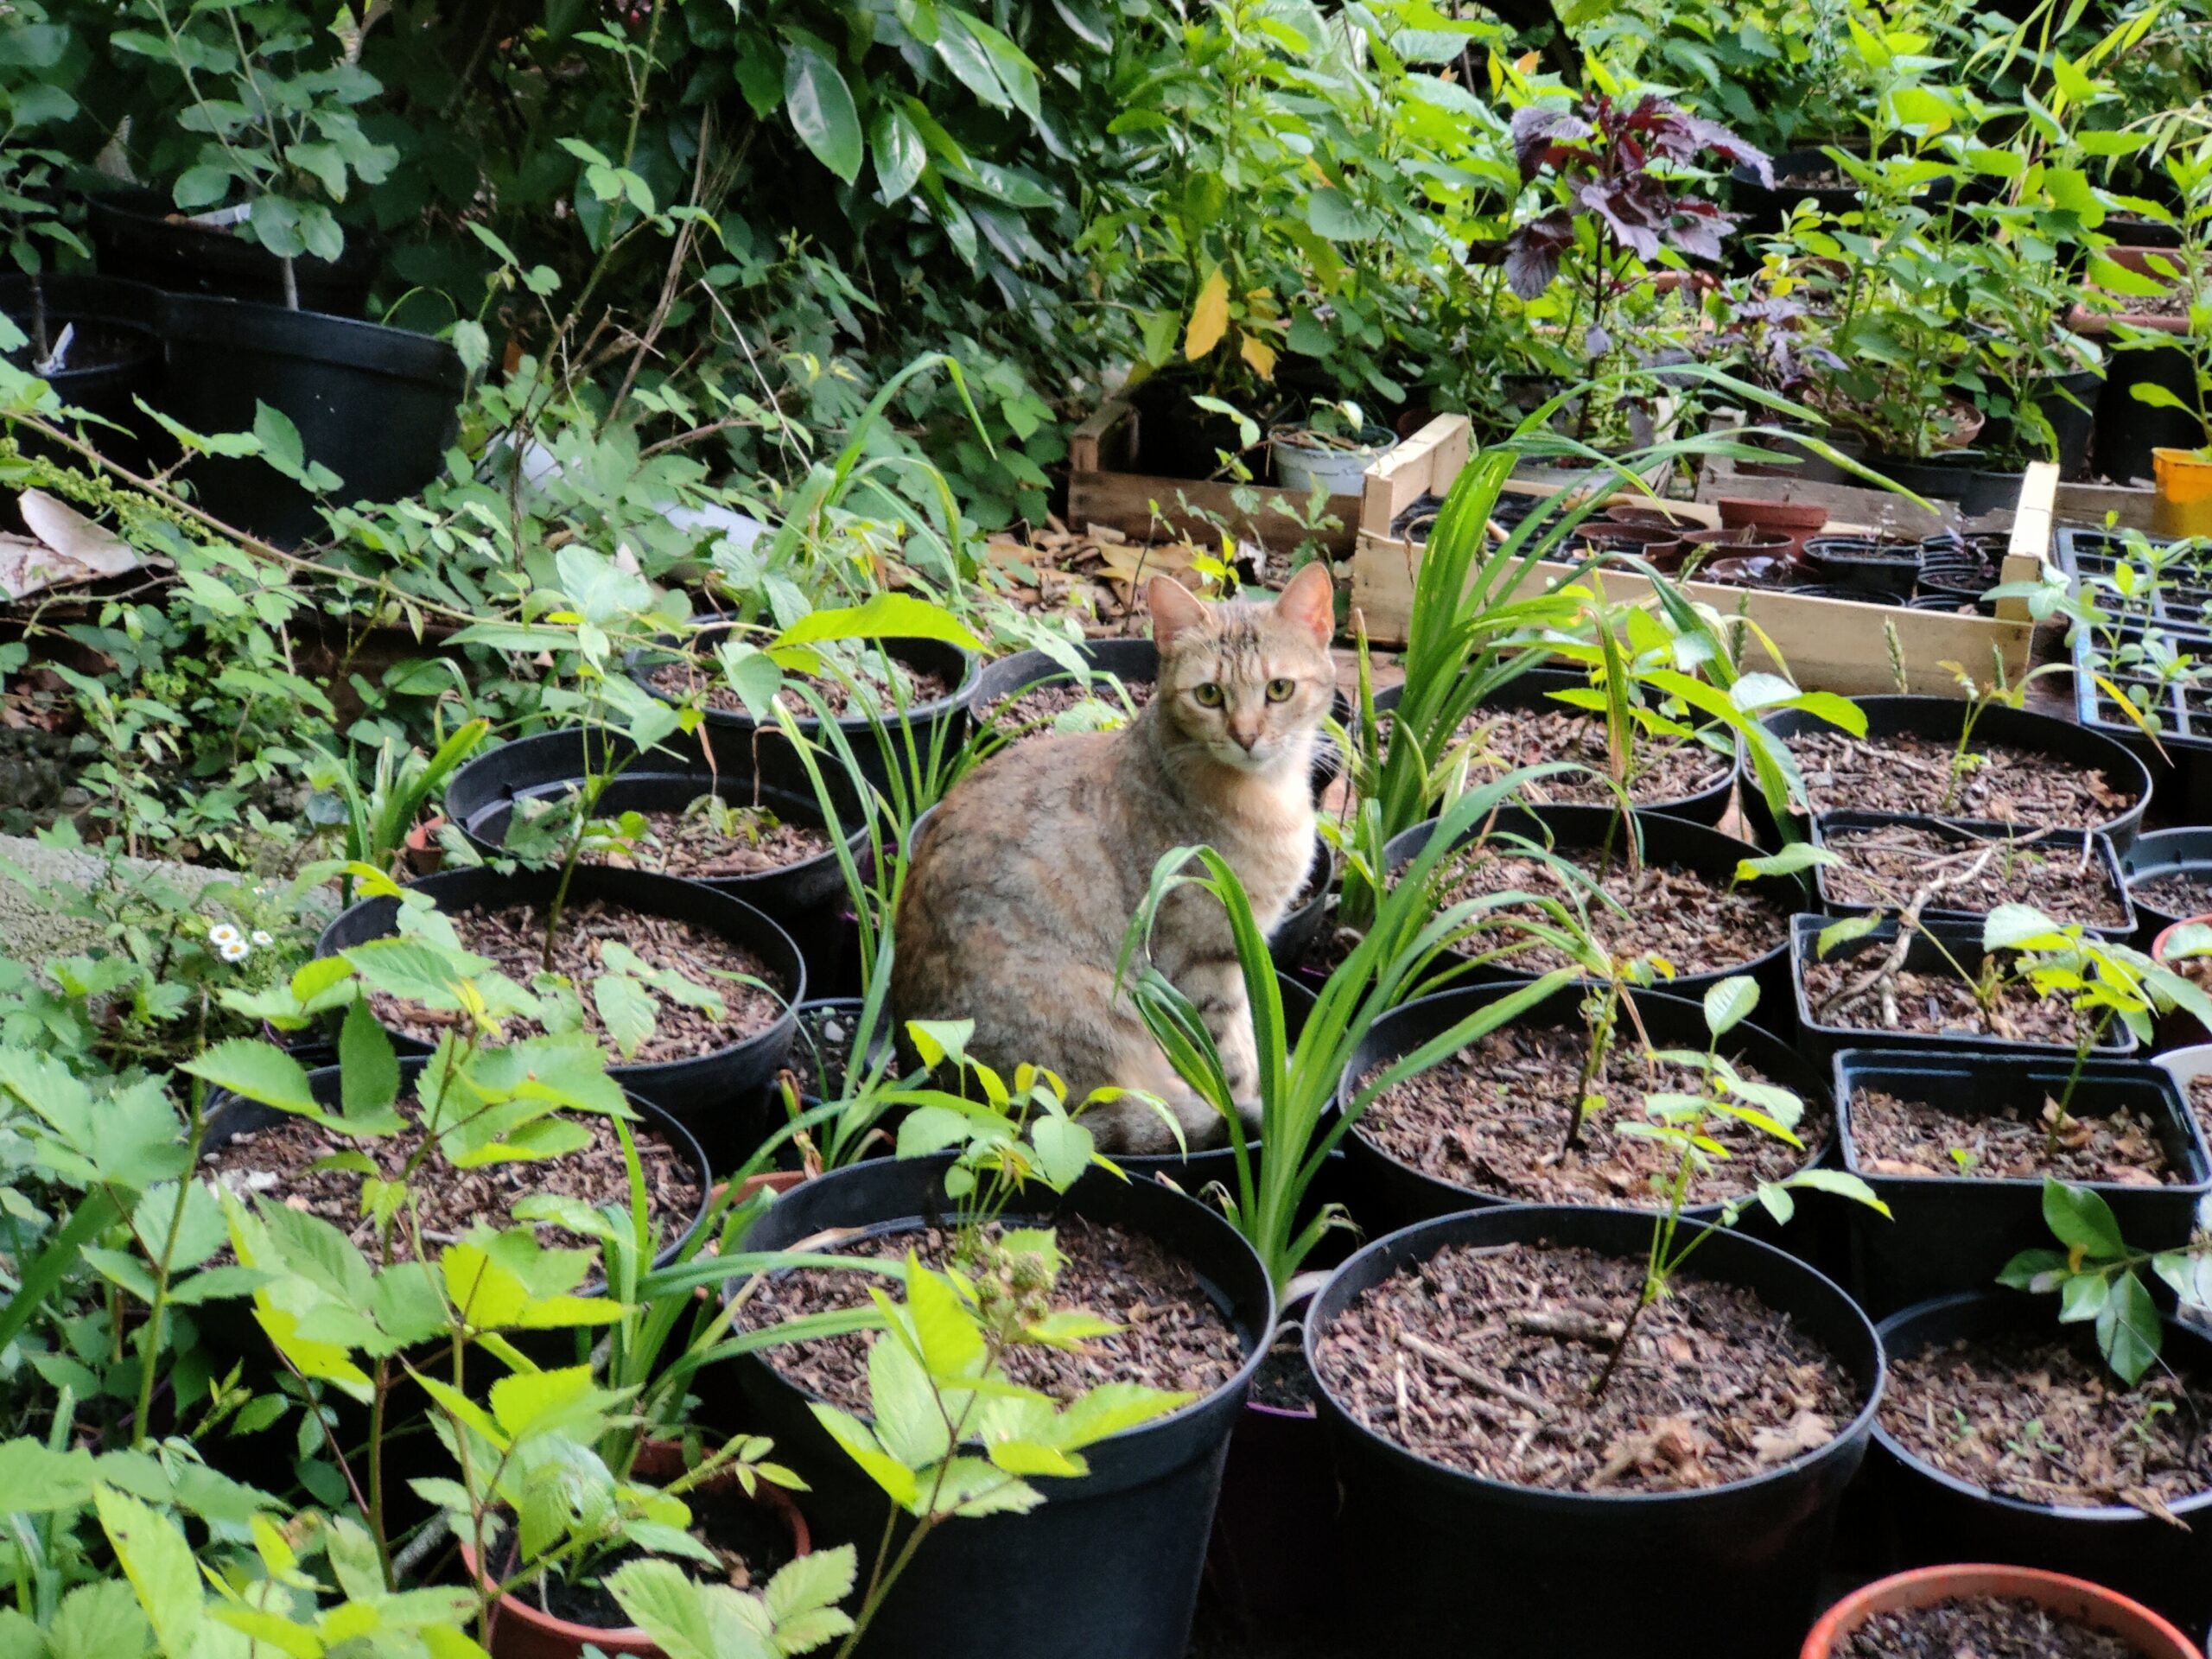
x,y
276,1161
1505,739
1981,1627
1904,773
515,939
1893,1137
1493,1118
1698,924
691,845
681,679
1884,866
1933,1003
1716,1386
2178,893
750,1540
1038,710
1171,1335
1282,1380
2041,1418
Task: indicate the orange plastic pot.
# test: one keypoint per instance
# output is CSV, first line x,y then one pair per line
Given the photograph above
x,y
2076,1599
522,1631
2184,506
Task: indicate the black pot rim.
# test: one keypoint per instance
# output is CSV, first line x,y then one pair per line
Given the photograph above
x,y
2106,1514
1867,1417
1825,823
781,1031
1346,1084
1240,1379
642,661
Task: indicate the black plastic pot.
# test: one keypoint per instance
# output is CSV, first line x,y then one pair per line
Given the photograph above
x,y
879,746
1939,1518
1871,567
135,237
1108,1567
1962,941
2128,428
723,1097
1388,1193
377,406
1447,1562
229,1115
1961,832
1963,567
1941,718
1971,478
1533,688
1665,841
130,363
1950,1233
2070,402
1764,208
786,893
2163,852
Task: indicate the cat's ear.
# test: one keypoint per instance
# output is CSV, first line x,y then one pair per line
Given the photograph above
x,y
1173,608
1307,602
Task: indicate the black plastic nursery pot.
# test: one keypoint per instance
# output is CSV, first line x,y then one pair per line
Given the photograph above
x,y
1388,1193
1665,841
1938,1517
2163,853
1874,568
377,406
2089,847
1933,949
1108,1567
2129,429
723,1097
140,236
117,358
878,746
1449,1562
1951,1232
1969,478
1940,719
787,893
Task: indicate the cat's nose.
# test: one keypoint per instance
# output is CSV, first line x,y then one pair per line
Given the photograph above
x,y
1247,737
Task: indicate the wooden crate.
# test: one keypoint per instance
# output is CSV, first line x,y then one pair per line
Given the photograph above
x,y
1826,645
1102,490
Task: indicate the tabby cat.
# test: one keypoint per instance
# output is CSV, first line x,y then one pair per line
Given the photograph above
x,y
1027,873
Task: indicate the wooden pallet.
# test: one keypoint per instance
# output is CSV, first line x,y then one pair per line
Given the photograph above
x,y
1102,490
1826,645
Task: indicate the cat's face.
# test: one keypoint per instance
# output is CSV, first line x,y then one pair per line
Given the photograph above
x,y
1249,683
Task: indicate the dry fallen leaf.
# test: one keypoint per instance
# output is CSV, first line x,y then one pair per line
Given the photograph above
x,y
64,547
1807,1430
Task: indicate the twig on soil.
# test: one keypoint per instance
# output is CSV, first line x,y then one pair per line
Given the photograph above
x,y
1466,1372
1908,924
1565,1324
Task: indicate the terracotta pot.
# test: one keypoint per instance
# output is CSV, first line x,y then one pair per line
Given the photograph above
x,y
1797,521
778,1181
2184,503
2085,319
2150,1634
520,1630
1659,516
423,855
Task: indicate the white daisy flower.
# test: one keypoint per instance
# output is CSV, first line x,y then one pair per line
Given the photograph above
x,y
261,937
223,936
234,949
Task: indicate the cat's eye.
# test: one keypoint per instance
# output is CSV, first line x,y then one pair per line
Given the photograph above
x,y
1208,694
1280,691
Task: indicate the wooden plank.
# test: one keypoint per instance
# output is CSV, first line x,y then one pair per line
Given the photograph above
x,y
2091,506
1085,443
1402,476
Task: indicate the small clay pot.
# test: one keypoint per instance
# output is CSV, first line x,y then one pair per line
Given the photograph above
x,y
423,855
1741,542
1660,518
1796,521
2076,1599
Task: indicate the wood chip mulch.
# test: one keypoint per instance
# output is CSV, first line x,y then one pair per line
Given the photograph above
x,y
679,680
2041,1418
1505,739
1904,773
1934,1004
1981,1627
1884,866
1483,1359
1493,1118
689,844
2178,893
514,940
1896,1136
1173,1335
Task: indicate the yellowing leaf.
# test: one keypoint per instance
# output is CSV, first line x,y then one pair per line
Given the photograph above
x,y
1259,354
1525,64
1208,316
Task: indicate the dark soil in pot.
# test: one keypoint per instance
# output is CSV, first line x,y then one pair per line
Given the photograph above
x,y
1066,706
1887,861
514,941
2169,877
1531,729
1935,1002
1722,1386
2007,1438
279,1158
1894,1134
1874,568
2180,895
1985,1627
693,842
749,1539
917,686
1173,1335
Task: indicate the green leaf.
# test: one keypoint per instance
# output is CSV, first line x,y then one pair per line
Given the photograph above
x,y
1063,1150
1842,932
1842,1184
1797,857
885,616
896,143
157,1560
201,187
2129,1331
2039,1271
369,1074
2012,927
258,1071
904,1405
952,1342
665,1605
860,1444
2081,1220
627,1008
812,1582
821,111
1729,1003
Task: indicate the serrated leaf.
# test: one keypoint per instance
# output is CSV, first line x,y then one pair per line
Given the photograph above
x,y
257,1071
